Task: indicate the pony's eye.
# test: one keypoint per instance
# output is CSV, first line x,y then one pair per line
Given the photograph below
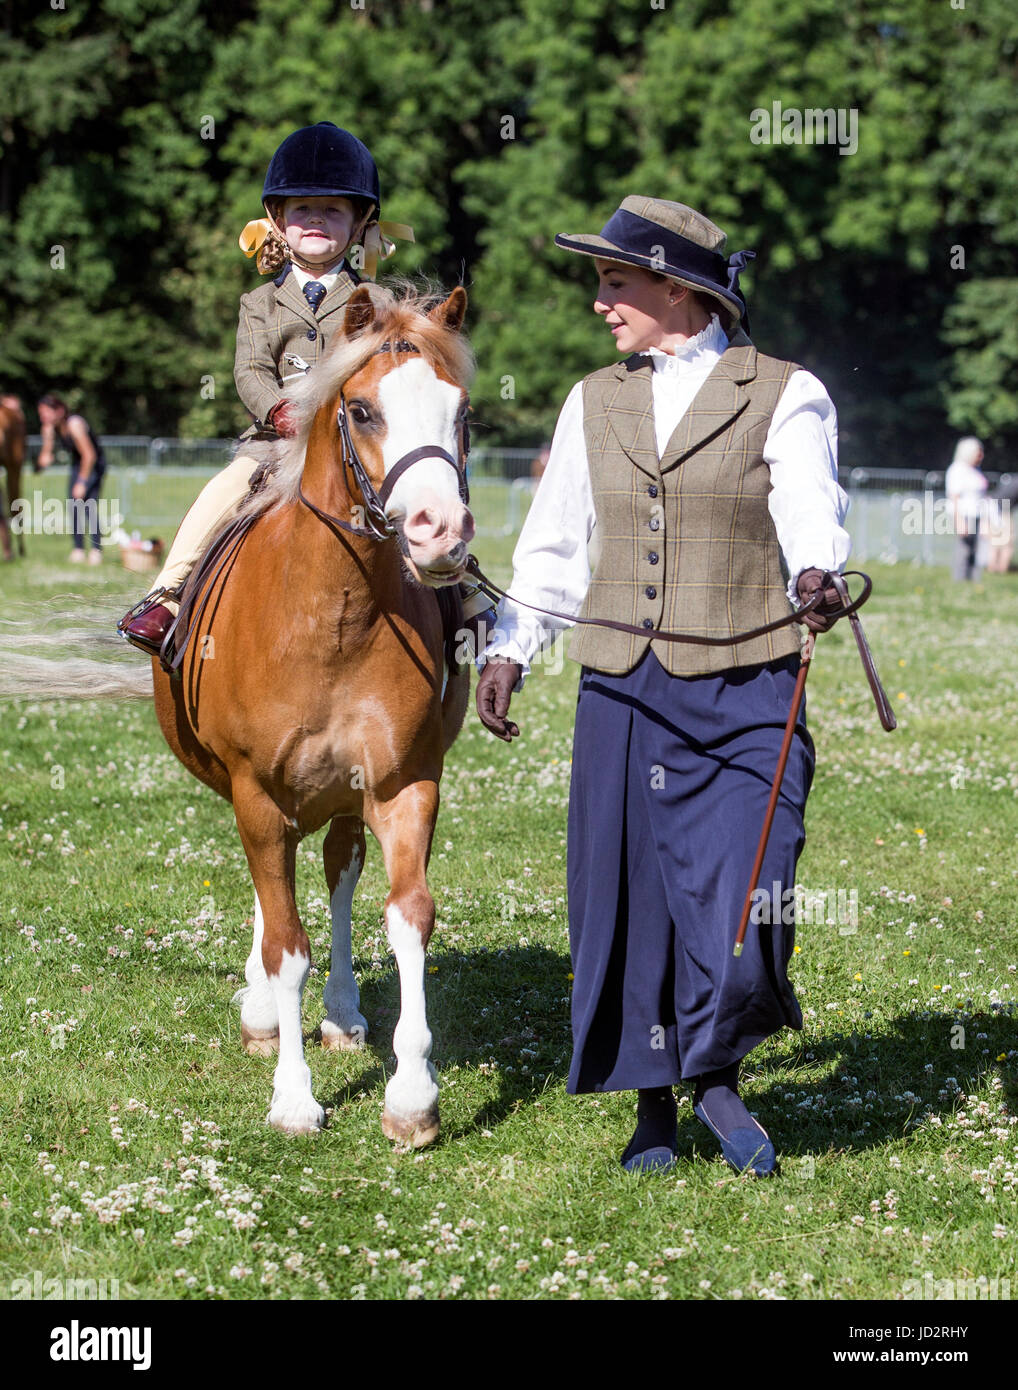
x,y
360,411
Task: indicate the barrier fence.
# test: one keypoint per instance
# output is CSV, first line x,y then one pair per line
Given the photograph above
x,y
895,516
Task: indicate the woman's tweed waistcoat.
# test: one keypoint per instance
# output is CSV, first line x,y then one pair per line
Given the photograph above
x,y
686,542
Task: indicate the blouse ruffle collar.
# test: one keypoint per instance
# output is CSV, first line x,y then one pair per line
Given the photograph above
x,y
701,350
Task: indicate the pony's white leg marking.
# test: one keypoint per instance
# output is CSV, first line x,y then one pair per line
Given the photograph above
x,y
344,1026
294,1109
259,1016
412,1093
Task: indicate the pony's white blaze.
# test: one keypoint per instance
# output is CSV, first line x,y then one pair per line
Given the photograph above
x,y
413,1092
294,1108
344,1026
420,409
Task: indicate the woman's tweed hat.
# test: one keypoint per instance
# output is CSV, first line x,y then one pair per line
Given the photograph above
x,y
673,240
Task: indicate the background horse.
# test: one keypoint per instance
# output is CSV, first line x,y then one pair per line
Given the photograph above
x,y
12,458
312,687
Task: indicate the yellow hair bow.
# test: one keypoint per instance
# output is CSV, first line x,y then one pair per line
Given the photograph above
x,y
378,245
253,235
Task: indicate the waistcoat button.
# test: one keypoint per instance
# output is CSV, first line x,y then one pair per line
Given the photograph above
x,y
648,622
650,591
312,334
654,523
653,557
652,490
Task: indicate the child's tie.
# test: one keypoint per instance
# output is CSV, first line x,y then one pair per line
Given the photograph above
x,y
314,293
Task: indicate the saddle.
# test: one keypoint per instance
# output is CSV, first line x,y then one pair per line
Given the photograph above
x,y
216,561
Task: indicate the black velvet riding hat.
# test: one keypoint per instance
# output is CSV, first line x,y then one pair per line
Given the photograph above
x,y
672,240
321,161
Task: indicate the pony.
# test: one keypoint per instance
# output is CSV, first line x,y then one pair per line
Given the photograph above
x,y
311,689
12,458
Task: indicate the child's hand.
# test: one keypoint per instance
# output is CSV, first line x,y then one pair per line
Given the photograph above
x,y
281,418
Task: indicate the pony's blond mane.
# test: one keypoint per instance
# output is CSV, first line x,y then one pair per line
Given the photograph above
x,y
401,312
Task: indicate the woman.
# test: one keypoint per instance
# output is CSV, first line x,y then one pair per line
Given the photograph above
x,y
705,474
966,485
88,465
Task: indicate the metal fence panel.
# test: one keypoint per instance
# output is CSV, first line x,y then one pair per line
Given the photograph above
x,y
895,515
121,450
191,453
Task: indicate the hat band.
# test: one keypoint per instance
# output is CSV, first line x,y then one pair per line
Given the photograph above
x,y
641,237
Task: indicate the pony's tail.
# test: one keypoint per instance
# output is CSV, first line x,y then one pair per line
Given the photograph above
x,y
61,653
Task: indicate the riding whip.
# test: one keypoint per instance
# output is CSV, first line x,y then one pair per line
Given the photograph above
x,y
884,711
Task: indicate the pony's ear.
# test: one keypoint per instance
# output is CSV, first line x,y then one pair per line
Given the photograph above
x,y
360,312
453,311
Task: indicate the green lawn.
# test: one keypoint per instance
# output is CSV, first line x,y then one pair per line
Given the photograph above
x,y
135,1143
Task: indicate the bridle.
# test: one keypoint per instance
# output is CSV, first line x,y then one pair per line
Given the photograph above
x,y
379,526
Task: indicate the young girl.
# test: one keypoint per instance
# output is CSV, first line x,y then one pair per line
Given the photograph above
x,y
322,197
321,193
708,473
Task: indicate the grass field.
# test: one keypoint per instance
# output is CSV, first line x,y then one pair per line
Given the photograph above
x,y
135,1144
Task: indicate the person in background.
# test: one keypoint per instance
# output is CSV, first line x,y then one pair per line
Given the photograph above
x,y
88,465
965,485
1004,500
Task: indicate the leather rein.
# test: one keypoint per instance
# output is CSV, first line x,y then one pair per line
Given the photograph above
x,y
381,528
849,609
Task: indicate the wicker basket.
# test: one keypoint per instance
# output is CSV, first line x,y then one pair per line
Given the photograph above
x,y
142,560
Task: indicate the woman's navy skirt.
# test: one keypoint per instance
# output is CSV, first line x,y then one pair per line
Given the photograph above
x,y
670,781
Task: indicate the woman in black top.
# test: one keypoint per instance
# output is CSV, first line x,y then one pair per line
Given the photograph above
x,y
87,468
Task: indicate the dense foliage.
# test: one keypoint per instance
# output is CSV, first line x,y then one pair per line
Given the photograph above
x,y
135,135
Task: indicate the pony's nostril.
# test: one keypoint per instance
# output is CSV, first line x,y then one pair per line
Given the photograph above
x,y
425,522
458,554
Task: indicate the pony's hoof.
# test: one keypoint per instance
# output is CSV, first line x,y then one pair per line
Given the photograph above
x,y
411,1132
296,1115
258,1042
336,1039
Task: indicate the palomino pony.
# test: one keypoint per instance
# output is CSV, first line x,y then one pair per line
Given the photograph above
x,y
312,686
12,458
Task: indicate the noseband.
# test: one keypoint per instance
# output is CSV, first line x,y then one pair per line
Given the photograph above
x,y
379,527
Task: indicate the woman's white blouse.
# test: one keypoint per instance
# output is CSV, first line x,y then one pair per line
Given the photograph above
x,y
966,484
550,563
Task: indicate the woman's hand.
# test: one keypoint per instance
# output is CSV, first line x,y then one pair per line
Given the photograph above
x,y
78,491
820,619
494,691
